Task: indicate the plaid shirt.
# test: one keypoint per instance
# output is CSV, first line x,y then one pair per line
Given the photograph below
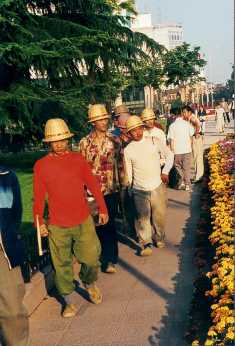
x,y
102,156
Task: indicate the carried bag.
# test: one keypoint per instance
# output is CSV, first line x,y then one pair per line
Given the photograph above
x,y
174,178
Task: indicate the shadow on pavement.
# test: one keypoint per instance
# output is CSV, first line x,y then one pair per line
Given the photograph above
x,y
144,279
174,323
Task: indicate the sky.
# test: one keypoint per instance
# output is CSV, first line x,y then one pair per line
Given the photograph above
x,y
206,23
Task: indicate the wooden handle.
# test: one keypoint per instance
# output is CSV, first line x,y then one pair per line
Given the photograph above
x,y
39,239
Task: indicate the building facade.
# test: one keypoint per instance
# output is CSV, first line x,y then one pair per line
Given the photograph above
x,y
170,35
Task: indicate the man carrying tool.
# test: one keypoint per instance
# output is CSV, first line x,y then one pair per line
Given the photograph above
x,y
63,175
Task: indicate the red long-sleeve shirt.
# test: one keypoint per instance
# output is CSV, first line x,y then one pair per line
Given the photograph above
x,y
63,179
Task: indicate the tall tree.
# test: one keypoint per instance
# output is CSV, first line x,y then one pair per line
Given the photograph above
x,y
183,65
64,54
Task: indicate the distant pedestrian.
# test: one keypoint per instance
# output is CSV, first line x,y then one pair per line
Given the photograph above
x,y
180,137
232,107
197,143
219,116
147,184
14,329
120,110
63,176
225,106
202,118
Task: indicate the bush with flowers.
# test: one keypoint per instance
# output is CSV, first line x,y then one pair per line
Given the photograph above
x,y
216,266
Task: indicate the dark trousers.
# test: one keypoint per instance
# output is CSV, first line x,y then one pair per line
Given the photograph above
x,y
108,234
227,116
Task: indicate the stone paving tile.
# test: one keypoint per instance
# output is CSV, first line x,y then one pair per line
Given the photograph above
x,y
113,311
49,325
134,332
45,339
94,334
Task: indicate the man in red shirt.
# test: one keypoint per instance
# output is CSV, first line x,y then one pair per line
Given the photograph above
x,y
63,176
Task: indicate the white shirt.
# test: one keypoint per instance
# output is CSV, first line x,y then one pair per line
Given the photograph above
x,y
142,160
219,112
155,133
180,133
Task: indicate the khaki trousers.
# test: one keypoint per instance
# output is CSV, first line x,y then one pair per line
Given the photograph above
x,y
150,214
183,166
14,328
198,157
80,241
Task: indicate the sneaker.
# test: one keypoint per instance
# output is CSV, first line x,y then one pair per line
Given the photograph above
x,y
181,186
188,188
95,294
70,310
111,269
147,250
160,244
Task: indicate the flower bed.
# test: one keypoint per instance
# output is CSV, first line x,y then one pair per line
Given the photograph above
x,y
221,162
214,255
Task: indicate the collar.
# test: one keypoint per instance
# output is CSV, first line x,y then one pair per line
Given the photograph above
x,y
61,155
4,170
92,135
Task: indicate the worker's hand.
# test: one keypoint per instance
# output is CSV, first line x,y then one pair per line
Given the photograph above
x,y
44,231
165,178
103,219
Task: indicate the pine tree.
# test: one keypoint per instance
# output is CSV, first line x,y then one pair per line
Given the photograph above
x,y
77,51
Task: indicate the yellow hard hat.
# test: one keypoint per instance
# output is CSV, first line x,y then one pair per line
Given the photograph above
x,y
133,122
121,109
147,114
97,112
56,130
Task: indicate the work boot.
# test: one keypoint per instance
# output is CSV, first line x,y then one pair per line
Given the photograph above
x,y
160,244
111,269
181,186
188,188
70,310
94,293
147,250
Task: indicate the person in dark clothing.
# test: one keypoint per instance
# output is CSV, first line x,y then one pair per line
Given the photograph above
x,y
202,118
14,328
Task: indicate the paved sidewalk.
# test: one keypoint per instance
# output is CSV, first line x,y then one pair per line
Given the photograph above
x,y
146,303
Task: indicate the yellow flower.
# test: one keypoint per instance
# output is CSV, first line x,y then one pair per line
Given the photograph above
x,y
195,343
230,335
212,333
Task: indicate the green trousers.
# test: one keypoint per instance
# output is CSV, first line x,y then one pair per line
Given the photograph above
x,y
14,326
80,241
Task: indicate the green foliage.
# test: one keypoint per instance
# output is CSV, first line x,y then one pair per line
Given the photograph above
x,y
66,54
58,56
183,64
226,91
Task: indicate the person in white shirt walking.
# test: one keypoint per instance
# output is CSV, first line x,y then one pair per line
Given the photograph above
x,y
147,183
180,137
151,131
197,143
219,116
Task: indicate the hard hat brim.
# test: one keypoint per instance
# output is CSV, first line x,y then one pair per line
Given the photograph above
x,y
148,118
100,117
134,127
57,138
